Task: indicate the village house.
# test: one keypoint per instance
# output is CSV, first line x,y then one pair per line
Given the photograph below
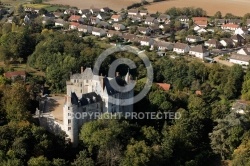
x,y
231,27
70,11
116,18
240,107
227,42
106,10
241,31
132,12
200,21
98,32
144,30
86,15
248,22
130,37
136,18
48,21
85,29
73,25
76,18
202,24
234,21
95,10
164,86
14,74
94,20
146,41
155,29
183,19
163,46
103,24
181,48
163,18
112,33
143,12
193,39
59,22
150,21
84,11
244,51
239,59
219,22
58,14
212,43
238,40
199,51
103,16
50,15
118,27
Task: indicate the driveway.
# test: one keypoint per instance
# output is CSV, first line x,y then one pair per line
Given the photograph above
x,y
224,62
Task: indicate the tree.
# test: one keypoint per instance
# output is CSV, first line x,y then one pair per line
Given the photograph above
x,y
218,15
137,153
15,102
39,161
227,135
83,160
20,9
241,155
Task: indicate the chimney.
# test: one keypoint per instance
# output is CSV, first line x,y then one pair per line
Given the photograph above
x,y
117,74
82,69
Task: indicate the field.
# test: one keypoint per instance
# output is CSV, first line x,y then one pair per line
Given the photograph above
x,y
236,7
113,4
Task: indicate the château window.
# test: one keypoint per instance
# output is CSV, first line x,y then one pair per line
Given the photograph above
x,y
69,128
69,121
87,81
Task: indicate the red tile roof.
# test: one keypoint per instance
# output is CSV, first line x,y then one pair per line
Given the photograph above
x,y
164,86
74,24
14,74
230,26
200,19
74,18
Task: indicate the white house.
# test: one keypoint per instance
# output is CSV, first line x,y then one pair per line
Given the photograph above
x,y
150,21
240,59
244,51
146,41
164,46
59,22
85,28
73,25
239,31
98,32
231,27
143,12
193,39
199,51
132,12
181,48
212,43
